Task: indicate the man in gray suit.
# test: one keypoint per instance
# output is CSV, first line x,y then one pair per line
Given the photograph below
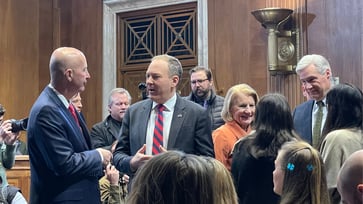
x,y
186,127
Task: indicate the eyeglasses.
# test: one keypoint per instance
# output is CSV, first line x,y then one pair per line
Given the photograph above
x,y
199,81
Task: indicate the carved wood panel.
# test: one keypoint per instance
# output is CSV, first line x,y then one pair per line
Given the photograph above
x,y
131,79
143,34
19,175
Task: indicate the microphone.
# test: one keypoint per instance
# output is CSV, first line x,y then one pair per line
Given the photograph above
x,y
142,86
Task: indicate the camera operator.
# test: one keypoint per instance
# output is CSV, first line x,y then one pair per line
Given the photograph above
x,y
8,138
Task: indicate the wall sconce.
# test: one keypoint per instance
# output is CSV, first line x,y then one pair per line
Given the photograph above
x,y
281,49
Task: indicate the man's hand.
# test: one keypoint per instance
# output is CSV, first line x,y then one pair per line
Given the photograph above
x,y
113,146
6,134
125,178
139,159
106,154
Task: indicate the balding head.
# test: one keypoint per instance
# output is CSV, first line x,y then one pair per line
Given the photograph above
x,y
68,71
350,179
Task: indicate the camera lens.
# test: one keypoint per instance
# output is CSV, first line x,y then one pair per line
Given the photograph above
x,y
19,125
142,86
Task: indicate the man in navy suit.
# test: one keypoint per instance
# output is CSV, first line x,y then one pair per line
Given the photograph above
x,y
187,126
64,168
315,75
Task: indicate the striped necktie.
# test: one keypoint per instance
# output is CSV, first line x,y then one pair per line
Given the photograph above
x,y
158,130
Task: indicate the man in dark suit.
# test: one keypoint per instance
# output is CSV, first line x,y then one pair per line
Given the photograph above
x,y
315,75
186,126
63,167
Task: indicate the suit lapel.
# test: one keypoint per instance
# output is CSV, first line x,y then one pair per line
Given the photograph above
x,y
69,118
177,121
84,131
144,119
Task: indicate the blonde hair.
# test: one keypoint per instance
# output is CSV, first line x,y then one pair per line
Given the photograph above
x,y
224,189
232,93
304,177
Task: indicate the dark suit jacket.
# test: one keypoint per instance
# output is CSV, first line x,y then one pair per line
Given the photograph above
x,y
302,120
63,168
190,131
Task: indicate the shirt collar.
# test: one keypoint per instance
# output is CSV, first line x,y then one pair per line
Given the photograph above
x,y
60,96
169,104
324,102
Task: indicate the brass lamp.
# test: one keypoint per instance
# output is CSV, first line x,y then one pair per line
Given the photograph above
x,y
281,49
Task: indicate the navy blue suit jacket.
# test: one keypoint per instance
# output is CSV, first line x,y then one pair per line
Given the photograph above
x,y
302,120
63,167
190,131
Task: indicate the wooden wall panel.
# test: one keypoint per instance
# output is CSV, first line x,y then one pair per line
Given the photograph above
x,y
19,57
19,175
81,27
289,84
336,31
237,49
238,43
29,33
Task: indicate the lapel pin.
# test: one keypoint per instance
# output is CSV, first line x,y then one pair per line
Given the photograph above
x,y
179,115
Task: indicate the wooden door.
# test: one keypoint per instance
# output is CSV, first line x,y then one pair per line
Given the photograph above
x,y
143,34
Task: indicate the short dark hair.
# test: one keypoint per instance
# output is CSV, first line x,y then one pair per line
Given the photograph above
x,y
207,71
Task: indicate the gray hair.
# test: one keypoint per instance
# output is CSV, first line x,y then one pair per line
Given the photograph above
x,y
120,91
174,65
320,62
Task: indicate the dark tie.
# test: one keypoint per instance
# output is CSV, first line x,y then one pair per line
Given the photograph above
x,y
73,112
158,130
318,123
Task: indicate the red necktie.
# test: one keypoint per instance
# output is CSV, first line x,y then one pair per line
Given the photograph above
x,y
73,112
158,130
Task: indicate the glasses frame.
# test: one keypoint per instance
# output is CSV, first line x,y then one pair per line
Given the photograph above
x,y
199,81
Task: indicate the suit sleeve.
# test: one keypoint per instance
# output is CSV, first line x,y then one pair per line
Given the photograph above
x,y
203,135
121,156
62,151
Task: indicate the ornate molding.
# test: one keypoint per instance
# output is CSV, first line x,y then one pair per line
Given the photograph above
x,y
113,7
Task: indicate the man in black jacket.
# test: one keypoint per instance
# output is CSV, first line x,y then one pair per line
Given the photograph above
x,y
201,82
104,134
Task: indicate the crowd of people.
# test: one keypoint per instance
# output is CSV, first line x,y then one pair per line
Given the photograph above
x,y
200,148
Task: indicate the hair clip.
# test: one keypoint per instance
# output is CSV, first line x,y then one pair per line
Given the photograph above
x,y
290,166
309,167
